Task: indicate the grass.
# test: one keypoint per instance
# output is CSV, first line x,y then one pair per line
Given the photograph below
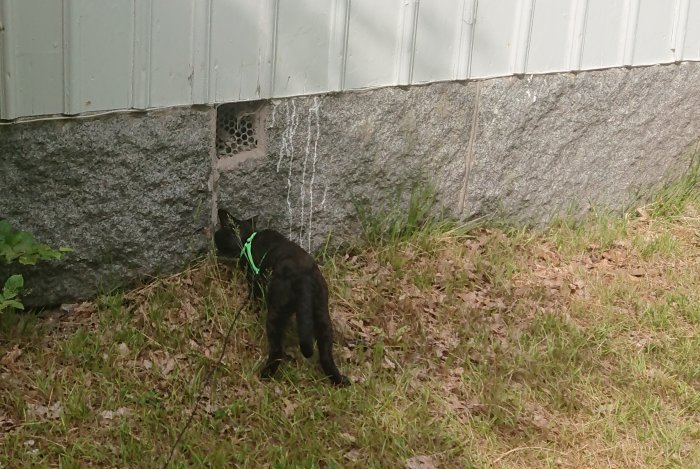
x,y
571,346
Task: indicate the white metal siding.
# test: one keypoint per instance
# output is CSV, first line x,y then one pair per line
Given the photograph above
x,y
371,57
437,27
691,48
74,56
550,46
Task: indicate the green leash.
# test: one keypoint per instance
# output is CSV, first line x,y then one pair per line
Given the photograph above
x,y
245,251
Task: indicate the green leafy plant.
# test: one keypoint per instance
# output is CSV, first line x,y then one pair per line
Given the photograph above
x,y
20,247
9,298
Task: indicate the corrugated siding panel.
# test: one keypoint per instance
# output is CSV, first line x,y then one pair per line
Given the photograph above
x,y
98,59
437,40
373,43
680,27
550,42
691,49
242,49
6,109
495,31
171,36
604,34
33,58
654,31
303,39
73,56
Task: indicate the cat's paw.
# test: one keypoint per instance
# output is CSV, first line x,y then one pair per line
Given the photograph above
x,y
269,369
340,381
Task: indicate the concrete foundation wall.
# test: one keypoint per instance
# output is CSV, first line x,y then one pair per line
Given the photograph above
x,y
134,195
129,193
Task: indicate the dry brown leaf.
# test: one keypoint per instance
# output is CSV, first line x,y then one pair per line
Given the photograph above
x,y
110,414
289,407
576,286
86,308
188,311
421,462
39,411
68,307
168,366
11,356
123,349
6,424
348,437
540,421
605,409
387,364
391,328
643,215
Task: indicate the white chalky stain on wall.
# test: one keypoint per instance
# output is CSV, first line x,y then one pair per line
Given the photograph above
x,y
287,150
312,115
308,167
274,115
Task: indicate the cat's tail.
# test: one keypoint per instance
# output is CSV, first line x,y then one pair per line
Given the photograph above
x,y
305,319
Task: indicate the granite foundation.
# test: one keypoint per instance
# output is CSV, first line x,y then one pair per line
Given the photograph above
x,y
135,194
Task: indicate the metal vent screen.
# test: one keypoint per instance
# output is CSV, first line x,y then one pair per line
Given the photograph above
x,y
236,131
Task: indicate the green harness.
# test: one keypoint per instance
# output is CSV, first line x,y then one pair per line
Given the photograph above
x,y
245,251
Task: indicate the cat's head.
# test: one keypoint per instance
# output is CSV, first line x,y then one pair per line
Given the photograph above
x,y
232,233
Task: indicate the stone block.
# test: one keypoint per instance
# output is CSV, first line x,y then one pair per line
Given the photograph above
x,y
551,144
128,192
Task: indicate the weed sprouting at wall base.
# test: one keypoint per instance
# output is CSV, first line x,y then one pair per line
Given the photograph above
x,y
20,247
671,199
400,219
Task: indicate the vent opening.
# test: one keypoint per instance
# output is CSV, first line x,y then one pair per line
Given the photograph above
x,y
236,129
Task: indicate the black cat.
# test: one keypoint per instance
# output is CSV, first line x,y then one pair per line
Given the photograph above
x,y
292,283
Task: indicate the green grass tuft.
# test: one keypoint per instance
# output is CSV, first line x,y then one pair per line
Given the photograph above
x,y
408,214
673,198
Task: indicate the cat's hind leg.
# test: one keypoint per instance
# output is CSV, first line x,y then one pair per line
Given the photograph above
x,y
323,331
325,354
278,312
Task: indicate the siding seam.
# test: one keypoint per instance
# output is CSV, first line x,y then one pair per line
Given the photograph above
x,y
469,156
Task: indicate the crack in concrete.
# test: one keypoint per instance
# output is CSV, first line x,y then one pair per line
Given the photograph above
x,y
469,156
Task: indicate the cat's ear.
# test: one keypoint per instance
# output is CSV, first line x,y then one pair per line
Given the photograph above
x,y
225,218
